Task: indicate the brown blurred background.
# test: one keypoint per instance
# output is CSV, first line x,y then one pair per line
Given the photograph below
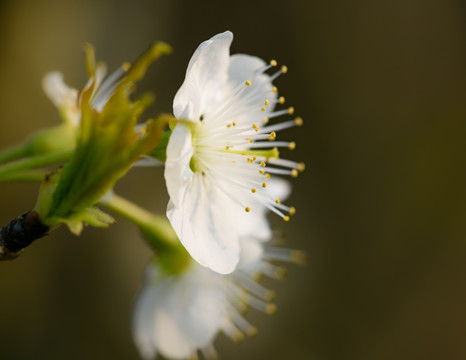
x,y
381,209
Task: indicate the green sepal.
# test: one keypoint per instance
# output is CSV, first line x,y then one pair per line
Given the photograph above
x,y
160,152
107,145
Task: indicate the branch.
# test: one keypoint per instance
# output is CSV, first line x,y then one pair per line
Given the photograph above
x,y
20,233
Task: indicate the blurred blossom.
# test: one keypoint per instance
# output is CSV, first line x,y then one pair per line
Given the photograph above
x,y
179,315
219,155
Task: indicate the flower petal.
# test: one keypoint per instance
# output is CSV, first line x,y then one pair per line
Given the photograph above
x,y
205,224
206,75
62,96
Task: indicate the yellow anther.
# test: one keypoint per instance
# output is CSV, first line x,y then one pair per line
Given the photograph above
x,y
271,309
252,331
284,69
298,121
267,176
266,102
264,185
250,140
257,276
274,89
292,210
286,218
248,83
273,136
255,127
261,171
237,336
254,157
233,123
294,173
273,62
291,110
298,257
228,125
292,145
266,120
262,164
253,190
126,66
227,147
233,161
301,166
281,273
263,109
277,201
248,209
281,100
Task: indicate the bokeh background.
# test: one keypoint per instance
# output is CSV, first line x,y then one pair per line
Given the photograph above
x,y
381,207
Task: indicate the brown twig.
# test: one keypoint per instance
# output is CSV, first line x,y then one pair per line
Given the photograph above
x,y
20,233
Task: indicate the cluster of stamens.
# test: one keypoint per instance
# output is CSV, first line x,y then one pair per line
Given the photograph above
x,y
251,147
245,291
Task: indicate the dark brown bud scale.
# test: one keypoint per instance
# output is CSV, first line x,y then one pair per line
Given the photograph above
x,y
20,233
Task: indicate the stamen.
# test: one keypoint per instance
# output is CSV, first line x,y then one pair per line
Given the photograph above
x,y
279,126
248,209
285,255
209,352
299,121
254,288
241,322
274,89
232,331
248,83
273,63
292,210
273,271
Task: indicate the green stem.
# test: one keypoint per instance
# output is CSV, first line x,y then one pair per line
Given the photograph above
x,y
13,153
26,176
169,253
159,226
11,170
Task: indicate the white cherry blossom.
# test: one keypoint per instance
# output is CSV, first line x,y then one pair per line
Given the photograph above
x,y
179,315
222,153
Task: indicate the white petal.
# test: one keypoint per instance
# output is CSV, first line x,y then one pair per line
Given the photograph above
x,y
62,96
197,304
177,170
176,315
198,211
251,251
205,77
278,188
144,321
205,225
